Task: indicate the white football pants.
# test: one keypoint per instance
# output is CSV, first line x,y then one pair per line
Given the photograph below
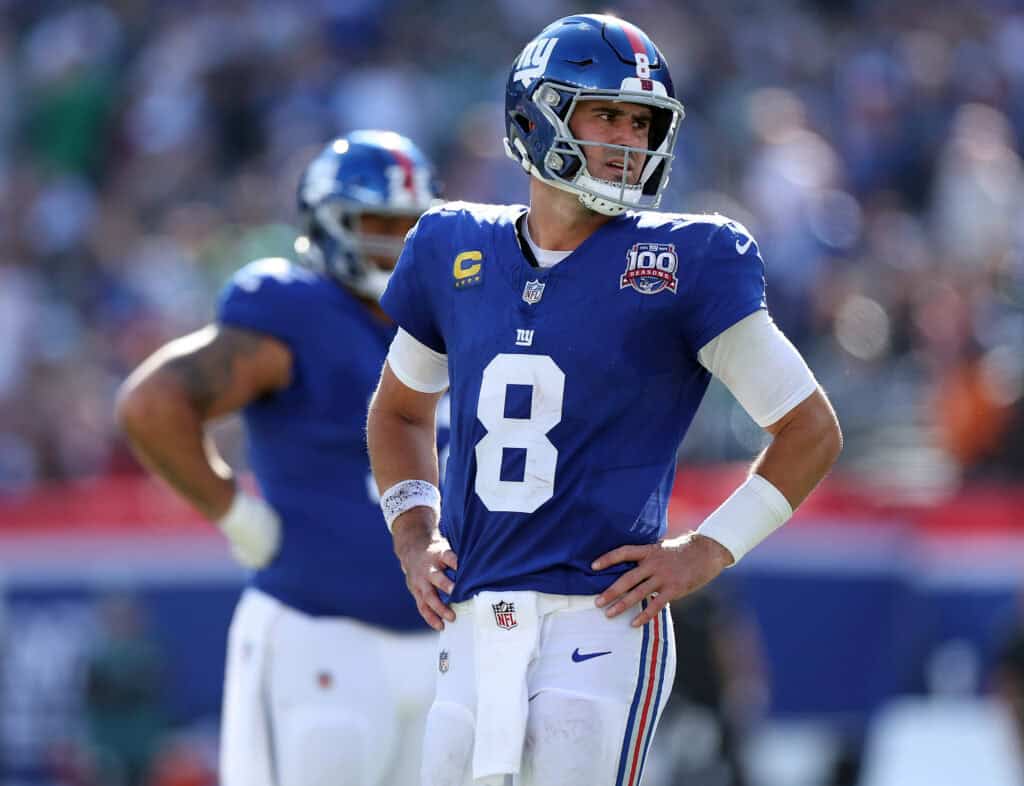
x,y
322,701
596,689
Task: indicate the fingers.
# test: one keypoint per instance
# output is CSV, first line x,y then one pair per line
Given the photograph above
x,y
424,589
450,559
641,591
621,554
439,607
430,617
424,577
440,580
654,605
433,609
622,585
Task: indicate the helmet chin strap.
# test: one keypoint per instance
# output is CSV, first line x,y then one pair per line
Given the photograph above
x,y
602,206
370,285
594,200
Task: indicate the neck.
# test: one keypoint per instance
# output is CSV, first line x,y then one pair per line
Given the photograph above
x,y
376,311
372,306
557,220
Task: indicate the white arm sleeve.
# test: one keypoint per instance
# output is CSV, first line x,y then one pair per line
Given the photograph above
x,y
761,368
416,365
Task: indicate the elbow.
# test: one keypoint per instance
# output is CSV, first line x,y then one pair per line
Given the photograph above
x,y
142,404
835,442
133,407
830,437
383,413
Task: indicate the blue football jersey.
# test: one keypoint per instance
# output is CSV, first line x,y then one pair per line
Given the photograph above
x,y
307,446
572,386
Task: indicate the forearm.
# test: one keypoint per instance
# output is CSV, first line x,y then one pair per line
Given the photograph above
x,y
400,448
403,449
803,450
167,434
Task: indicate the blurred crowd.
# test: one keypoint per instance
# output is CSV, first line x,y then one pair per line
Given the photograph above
x,y
147,149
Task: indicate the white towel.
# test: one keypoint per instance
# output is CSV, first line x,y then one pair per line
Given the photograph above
x,y
506,629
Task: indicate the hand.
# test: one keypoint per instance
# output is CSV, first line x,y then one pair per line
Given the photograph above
x,y
253,529
424,554
666,570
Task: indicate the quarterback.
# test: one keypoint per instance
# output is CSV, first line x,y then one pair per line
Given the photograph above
x,y
577,336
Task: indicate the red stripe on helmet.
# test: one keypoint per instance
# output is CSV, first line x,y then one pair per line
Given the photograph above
x,y
634,35
406,163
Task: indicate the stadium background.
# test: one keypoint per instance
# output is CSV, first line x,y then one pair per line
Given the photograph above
x,y
147,149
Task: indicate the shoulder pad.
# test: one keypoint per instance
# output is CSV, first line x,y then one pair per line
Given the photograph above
x,y
278,271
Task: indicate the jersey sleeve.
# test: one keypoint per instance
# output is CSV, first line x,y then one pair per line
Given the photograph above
x,y
416,365
729,285
406,300
265,296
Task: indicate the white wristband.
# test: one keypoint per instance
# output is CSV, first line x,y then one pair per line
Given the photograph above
x,y
253,529
406,495
752,513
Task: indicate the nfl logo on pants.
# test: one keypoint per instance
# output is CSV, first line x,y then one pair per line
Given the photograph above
x,y
505,614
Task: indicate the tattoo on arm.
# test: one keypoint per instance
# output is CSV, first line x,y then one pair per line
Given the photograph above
x,y
209,372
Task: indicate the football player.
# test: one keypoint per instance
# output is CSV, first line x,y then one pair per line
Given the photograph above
x,y
329,667
577,336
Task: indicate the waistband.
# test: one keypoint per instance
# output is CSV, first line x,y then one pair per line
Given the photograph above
x,y
546,603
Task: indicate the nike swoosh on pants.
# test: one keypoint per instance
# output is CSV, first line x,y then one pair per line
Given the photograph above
x,y
579,657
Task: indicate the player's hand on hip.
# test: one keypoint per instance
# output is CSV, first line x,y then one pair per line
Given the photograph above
x,y
424,555
664,571
253,529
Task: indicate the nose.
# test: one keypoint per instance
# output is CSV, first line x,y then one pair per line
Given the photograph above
x,y
630,136
627,134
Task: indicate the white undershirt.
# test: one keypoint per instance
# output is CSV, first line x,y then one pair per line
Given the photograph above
x,y
753,359
544,257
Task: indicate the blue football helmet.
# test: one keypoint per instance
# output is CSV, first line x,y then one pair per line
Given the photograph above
x,y
377,172
590,56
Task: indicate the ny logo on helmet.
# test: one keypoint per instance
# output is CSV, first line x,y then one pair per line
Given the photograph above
x,y
534,59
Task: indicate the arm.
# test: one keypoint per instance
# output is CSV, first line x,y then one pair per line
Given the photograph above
x,y
767,375
402,440
806,443
165,403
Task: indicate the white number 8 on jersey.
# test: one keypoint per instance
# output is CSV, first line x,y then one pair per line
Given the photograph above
x,y
547,383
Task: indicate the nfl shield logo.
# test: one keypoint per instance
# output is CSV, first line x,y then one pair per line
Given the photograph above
x,y
442,661
533,291
505,613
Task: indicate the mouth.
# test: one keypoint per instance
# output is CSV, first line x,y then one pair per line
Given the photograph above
x,y
616,168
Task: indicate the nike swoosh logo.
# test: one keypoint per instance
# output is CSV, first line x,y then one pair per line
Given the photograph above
x,y
741,247
579,657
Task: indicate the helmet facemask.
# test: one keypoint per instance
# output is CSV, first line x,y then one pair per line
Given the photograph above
x,y
338,245
564,165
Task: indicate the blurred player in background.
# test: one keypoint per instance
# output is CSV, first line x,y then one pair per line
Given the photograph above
x,y
329,667
578,337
